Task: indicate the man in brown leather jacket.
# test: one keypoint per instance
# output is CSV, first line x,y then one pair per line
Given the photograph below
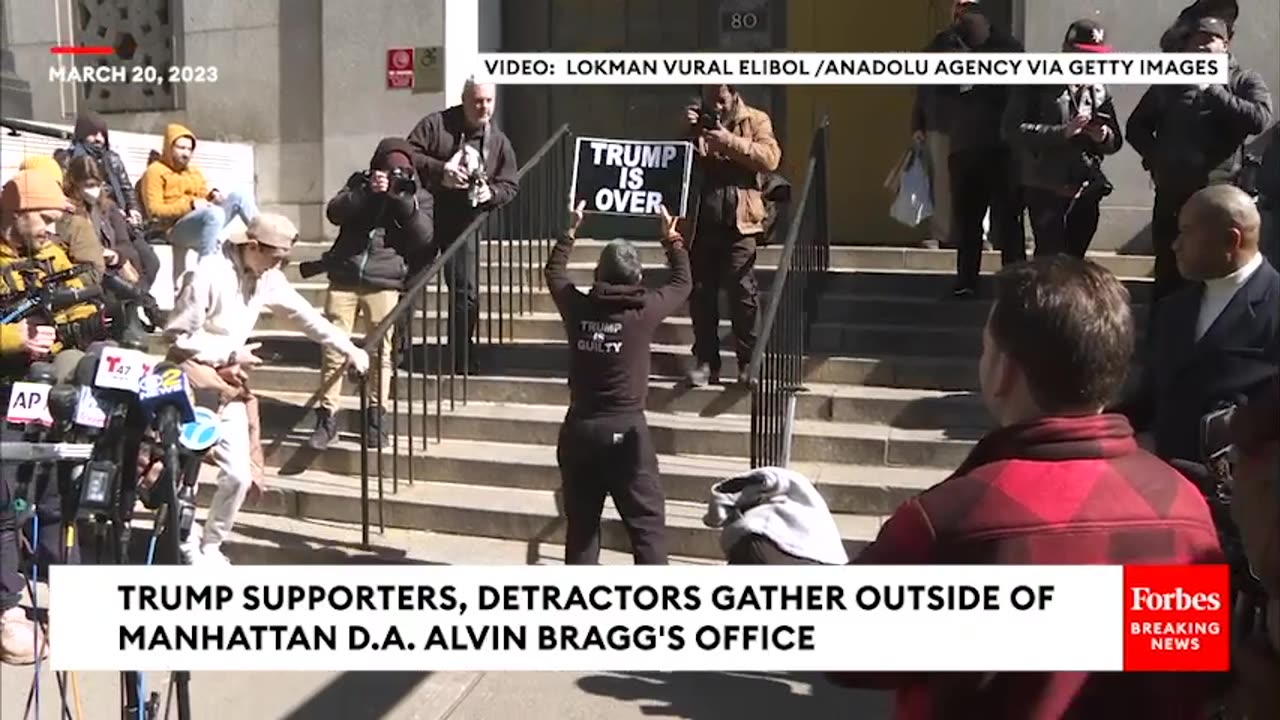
x,y
735,149
1255,507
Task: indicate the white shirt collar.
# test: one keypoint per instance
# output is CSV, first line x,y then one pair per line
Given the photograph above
x,y
1236,280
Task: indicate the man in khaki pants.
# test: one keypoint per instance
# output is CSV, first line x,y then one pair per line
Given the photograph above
x,y
383,215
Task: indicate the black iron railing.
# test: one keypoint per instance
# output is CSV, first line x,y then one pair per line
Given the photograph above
x,y
503,251
16,126
777,368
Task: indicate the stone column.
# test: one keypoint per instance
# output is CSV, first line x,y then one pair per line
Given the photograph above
x,y
15,93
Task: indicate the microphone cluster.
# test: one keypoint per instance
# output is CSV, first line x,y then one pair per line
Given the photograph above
x,y
90,418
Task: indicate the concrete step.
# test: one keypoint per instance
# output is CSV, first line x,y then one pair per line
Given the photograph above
x,y
835,308
261,539
922,284
828,338
849,489
843,257
532,516
540,359
903,408
672,433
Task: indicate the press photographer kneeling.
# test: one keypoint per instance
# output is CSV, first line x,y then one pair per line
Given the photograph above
x,y
43,319
384,216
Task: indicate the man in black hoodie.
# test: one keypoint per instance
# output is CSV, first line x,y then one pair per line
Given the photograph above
x,y
983,177
91,138
470,168
384,216
604,447
1190,137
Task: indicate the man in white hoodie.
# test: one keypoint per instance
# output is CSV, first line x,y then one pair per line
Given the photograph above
x,y
213,317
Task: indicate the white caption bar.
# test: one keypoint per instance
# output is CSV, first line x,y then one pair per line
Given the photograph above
x,y
852,68
444,618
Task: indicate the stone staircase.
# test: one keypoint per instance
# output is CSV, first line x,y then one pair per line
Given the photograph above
x,y
889,410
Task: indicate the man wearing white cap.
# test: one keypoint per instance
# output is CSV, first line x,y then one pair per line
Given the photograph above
x,y
213,317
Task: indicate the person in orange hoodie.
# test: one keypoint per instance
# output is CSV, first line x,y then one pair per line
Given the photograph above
x,y
180,202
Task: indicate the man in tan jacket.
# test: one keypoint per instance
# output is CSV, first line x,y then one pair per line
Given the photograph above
x,y
736,150
1255,507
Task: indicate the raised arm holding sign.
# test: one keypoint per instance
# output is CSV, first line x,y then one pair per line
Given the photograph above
x,y
631,177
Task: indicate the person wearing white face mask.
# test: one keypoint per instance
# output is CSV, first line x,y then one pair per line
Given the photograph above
x,y
123,250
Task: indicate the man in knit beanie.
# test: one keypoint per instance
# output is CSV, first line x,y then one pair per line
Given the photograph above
x,y
74,233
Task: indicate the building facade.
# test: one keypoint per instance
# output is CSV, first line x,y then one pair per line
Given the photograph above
x,y
305,80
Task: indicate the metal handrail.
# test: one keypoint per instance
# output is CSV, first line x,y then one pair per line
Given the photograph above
x,y
783,270
35,129
515,238
776,373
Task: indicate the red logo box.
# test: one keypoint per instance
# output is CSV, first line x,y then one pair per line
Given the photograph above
x,y
1177,618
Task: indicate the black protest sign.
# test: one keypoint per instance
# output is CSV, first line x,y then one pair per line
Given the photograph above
x,y
632,177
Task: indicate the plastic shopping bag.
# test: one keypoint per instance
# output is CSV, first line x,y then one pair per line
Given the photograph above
x,y
914,201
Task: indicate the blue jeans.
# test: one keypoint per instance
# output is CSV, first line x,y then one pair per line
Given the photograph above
x,y
204,230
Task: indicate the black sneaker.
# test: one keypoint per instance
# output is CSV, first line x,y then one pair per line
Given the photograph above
x,y
377,435
326,429
964,293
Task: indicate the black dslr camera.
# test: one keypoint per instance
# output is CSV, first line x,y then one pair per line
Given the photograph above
x,y
708,118
401,181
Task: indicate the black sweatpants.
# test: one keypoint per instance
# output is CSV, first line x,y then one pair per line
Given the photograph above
x,y
1062,225
1164,231
611,456
461,277
981,181
723,258
760,550
49,544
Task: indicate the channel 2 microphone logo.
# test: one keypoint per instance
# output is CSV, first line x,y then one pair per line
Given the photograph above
x,y
1177,618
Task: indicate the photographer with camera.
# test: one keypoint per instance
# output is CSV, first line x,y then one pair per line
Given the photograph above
x,y
469,166
1190,137
1061,135
384,217
31,204
735,150
213,318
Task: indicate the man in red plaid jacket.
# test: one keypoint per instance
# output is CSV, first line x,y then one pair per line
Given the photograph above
x,y
1060,482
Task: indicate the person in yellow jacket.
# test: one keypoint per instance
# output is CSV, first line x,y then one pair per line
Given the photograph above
x,y
180,202
31,205
75,234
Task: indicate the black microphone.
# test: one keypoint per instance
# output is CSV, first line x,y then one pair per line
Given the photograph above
x,y
92,407
166,399
63,398
42,372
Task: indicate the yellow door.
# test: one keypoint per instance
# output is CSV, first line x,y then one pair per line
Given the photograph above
x,y
870,125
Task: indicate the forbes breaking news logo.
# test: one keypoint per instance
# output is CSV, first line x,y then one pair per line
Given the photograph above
x,y
1177,618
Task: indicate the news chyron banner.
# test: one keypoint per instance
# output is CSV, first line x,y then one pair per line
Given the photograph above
x,y
624,618
800,68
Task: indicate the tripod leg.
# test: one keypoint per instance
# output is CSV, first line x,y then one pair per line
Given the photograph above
x,y
75,693
182,679
62,692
